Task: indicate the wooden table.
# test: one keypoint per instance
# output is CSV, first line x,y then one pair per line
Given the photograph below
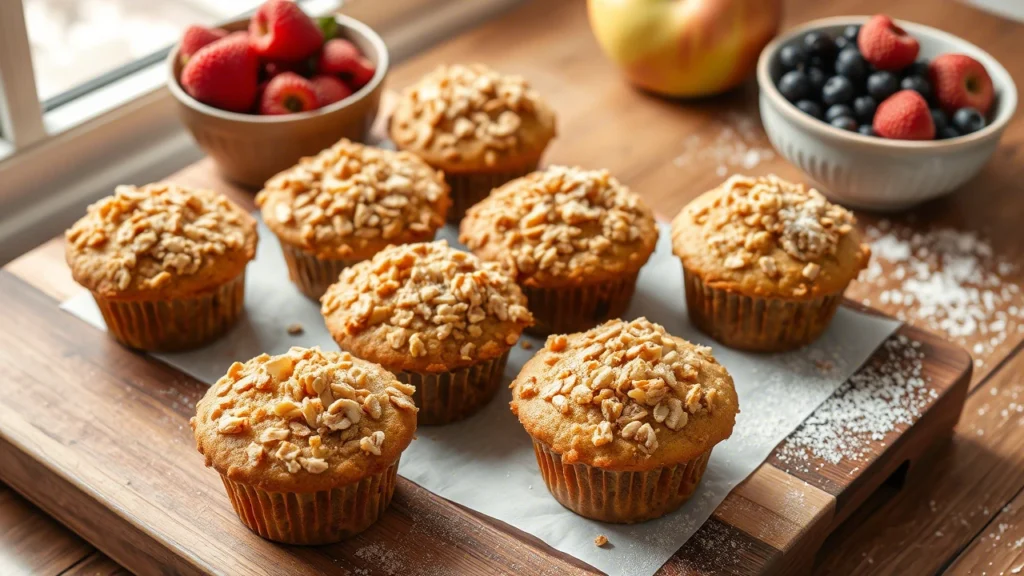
x,y
961,514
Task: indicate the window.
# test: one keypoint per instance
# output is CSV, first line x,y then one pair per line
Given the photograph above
x,y
77,44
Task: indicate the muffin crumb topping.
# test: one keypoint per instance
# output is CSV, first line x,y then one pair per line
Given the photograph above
x,y
633,378
423,297
757,215
354,192
291,402
150,233
454,103
562,220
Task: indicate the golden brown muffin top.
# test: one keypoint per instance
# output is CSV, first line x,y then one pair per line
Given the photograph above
x,y
351,201
625,396
767,236
471,118
561,227
426,308
304,421
158,240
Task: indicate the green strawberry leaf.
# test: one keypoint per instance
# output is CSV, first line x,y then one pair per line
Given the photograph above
x,y
328,26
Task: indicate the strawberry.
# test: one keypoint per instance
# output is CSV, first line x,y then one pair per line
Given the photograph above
x,y
273,68
194,38
281,31
329,90
341,57
223,74
885,45
904,116
287,93
960,81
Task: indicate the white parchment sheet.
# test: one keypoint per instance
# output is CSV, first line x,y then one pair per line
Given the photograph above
x,y
487,462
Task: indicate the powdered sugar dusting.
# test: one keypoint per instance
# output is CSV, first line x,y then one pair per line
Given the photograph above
x,y
948,281
739,145
883,396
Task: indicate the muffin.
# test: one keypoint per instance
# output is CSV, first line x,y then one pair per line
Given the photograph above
x,y
575,240
623,418
347,203
480,127
766,262
307,443
440,319
165,264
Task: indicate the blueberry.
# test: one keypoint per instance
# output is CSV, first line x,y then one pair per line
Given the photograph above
x,y
810,107
946,133
817,80
882,84
845,123
851,64
792,56
864,108
837,90
967,120
794,85
819,44
822,63
842,42
940,119
917,84
851,32
866,130
919,68
838,111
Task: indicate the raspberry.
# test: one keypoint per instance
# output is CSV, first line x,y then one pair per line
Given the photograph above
x,y
885,45
904,116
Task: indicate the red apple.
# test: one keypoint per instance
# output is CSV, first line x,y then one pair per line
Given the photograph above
x,y
685,47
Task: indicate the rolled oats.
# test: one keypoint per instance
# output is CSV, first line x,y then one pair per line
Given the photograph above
x,y
754,216
309,395
636,376
351,193
143,236
460,103
437,299
561,221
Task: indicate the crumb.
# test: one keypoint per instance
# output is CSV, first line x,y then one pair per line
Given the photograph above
x,y
526,345
601,540
295,329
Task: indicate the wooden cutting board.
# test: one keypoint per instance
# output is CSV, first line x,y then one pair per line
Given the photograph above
x,y
97,436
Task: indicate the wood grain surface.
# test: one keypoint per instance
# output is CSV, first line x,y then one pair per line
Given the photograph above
x,y
964,492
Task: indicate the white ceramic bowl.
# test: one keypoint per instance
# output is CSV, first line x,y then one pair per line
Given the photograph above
x,y
876,173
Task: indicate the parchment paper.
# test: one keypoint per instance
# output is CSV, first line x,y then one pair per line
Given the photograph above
x,y
487,462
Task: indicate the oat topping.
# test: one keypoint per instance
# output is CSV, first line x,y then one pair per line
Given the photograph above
x,y
456,103
633,380
350,192
149,234
600,540
427,296
757,215
292,402
562,220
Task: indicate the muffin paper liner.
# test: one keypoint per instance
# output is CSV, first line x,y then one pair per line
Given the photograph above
x,y
619,497
451,396
309,518
575,309
311,274
469,188
177,324
757,324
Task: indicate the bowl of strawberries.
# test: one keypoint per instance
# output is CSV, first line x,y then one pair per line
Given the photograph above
x,y
258,94
883,114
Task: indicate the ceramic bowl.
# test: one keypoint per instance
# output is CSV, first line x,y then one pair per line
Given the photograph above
x,y
249,149
876,173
